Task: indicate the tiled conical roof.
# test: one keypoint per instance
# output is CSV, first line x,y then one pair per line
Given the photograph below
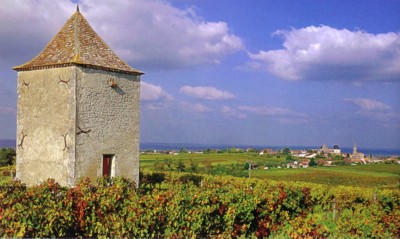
x,y
77,44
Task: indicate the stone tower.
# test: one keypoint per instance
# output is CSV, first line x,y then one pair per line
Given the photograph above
x,y
78,110
355,149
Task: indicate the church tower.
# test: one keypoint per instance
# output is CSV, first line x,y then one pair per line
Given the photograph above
x,y
355,149
78,110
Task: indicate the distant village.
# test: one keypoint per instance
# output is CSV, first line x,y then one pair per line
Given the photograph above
x,y
323,156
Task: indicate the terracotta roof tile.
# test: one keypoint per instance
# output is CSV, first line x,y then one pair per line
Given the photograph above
x,y
78,44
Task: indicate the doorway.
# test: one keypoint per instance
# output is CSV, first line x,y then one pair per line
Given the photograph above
x,y
108,165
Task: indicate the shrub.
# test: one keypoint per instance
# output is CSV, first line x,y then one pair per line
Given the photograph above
x,y
218,207
7,156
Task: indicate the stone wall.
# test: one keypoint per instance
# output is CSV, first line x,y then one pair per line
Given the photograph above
x,y
68,118
46,125
107,123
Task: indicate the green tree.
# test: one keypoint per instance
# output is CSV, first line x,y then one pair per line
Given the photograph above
x,y
159,166
7,156
312,162
286,151
338,157
320,156
289,158
180,166
168,162
194,167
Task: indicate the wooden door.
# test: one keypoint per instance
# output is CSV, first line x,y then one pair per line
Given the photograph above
x,y
107,165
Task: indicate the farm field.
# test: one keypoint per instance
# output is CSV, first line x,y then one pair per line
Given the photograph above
x,y
371,175
360,175
5,174
147,160
192,206
191,195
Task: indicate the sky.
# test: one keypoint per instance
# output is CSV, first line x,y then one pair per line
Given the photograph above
x,y
245,72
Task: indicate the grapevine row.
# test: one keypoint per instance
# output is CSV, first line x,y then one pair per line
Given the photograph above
x,y
187,205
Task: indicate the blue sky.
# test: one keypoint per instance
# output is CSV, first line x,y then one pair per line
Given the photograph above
x,y
260,72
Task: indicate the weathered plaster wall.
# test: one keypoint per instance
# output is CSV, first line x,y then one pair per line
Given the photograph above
x,y
68,118
107,123
46,125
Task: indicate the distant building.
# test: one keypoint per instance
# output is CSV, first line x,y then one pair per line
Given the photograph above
x,y
267,151
325,150
357,156
293,164
336,149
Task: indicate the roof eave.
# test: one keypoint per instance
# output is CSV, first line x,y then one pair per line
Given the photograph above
x,y
60,65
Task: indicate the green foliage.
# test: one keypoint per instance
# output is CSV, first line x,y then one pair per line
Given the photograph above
x,y
191,178
7,174
320,156
209,151
168,162
312,162
286,151
235,150
194,167
237,170
198,206
289,158
7,156
365,176
159,166
338,157
151,179
373,175
180,166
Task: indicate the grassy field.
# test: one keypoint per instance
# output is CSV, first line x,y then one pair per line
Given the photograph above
x,y
147,160
372,175
360,175
5,174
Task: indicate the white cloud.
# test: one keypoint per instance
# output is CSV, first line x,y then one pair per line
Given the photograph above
x,y
375,110
206,92
155,34
369,104
200,108
153,92
146,33
157,105
228,111
271,111
26,26
325,53
280,115
292,121
382,116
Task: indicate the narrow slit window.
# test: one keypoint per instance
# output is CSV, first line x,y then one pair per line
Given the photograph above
x,y
108,165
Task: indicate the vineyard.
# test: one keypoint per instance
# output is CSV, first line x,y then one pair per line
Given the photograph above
x,y
181,205
383,176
